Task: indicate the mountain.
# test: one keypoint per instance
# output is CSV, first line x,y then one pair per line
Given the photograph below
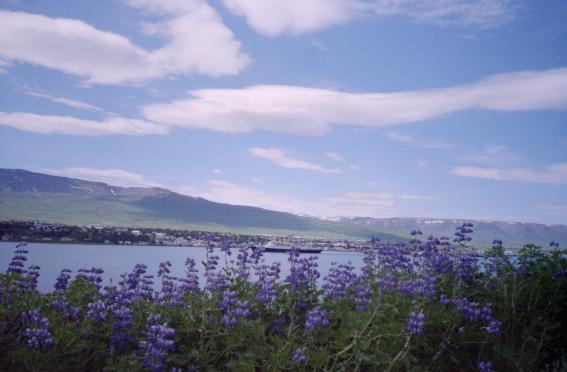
x,y
26,195
513,234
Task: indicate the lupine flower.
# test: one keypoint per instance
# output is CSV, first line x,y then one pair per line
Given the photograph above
x,y
225,247
389,281
62,281
68,311
243,264
494,328
463,233
158,343
316,318
362,294
164,268
17,263
191,281
92,275
169,292
267,278
96,311
472,312
303,271
214,281
120,328
233,309
29,282
484,366
299,356
424,286
416,323
444,300
133,287
257,254
338,280
38,336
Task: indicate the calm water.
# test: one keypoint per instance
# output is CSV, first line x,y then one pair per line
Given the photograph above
x,y
117,259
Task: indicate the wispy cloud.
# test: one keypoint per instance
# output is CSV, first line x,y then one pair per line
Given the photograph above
x,y
416,197
64,101
231,193
318,44
422,163
272,17
4,66
409,140
490,154
217,171
344,204
494,154
51,124
100,57
467,13
278,157
554,208
552,174
311,111
333,155
113,177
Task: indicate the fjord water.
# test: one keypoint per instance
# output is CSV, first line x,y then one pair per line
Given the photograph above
x,y
118,259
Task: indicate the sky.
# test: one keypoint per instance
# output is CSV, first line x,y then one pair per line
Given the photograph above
x,y
328,108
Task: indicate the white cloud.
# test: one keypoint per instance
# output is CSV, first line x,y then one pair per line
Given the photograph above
x,y
276,17
552,174
50,124
113,177
257,180
64,101
217,171
333,155
278,157
196,41
312,111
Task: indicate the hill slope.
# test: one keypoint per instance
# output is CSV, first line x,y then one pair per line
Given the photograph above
x,y
27,195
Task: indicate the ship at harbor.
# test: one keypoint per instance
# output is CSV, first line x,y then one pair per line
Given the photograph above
x,y
284,247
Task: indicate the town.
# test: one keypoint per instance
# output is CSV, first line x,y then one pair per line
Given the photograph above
x,y
43,232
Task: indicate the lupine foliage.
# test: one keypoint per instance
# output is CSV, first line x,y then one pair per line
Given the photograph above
x,y
427,305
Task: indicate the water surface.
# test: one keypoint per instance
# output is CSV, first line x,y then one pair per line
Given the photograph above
x,y
117,259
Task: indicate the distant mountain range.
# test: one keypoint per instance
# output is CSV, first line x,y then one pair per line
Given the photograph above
x,y
26,195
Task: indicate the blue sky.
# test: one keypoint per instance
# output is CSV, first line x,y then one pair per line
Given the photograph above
x,y
380,108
